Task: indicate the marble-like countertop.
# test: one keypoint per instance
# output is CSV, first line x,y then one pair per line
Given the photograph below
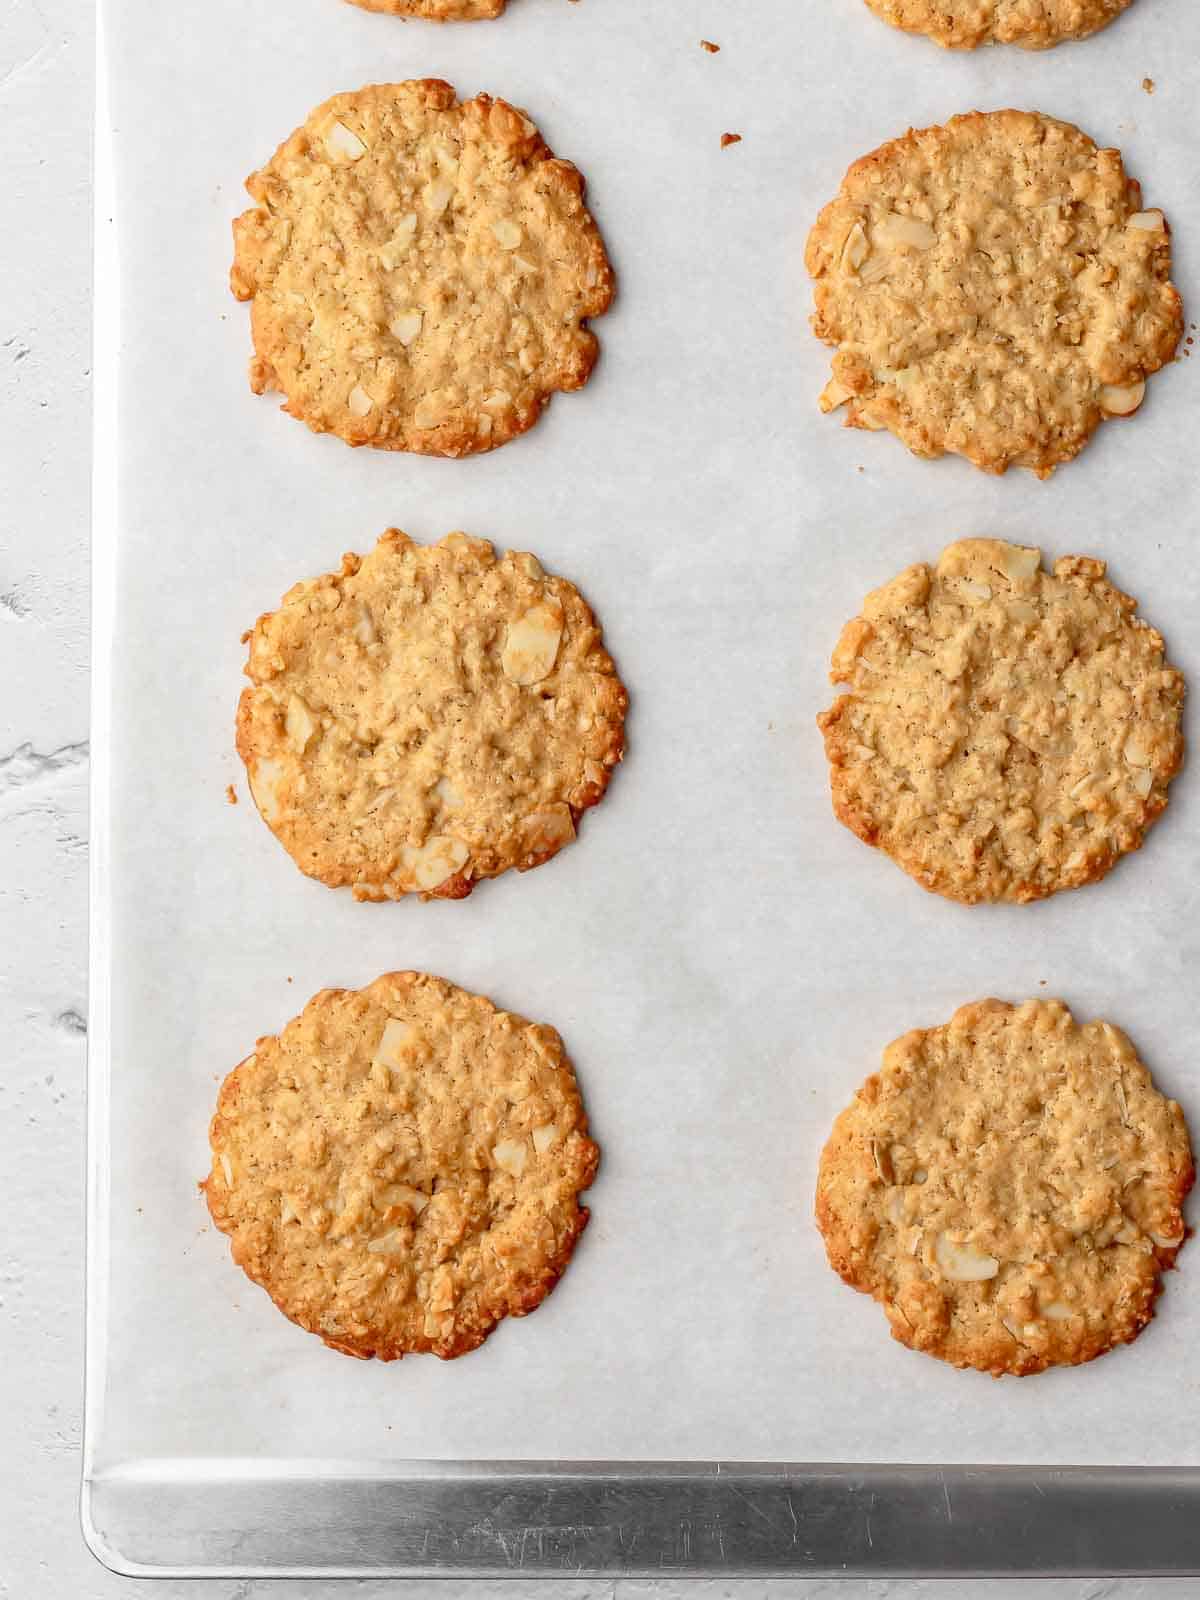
x,y
45,113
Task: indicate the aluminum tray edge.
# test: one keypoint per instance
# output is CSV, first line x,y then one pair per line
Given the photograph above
x,y
492,1519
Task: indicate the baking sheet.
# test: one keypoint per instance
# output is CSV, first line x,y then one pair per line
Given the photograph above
x,y
724,961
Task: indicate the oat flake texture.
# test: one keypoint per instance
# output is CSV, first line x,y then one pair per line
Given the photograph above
x,y
993,288
420,271
428,716
400,1168
1008,1187
1006,731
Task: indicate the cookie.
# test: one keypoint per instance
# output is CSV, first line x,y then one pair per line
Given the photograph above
x,y
994,289
428,716
400,1168
966,24
1007,731
420,271
438,10
1008,1187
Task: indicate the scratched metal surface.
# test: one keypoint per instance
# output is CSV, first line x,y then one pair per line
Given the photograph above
x,y
724,962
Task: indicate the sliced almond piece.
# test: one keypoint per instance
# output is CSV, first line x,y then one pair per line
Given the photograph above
x,y
342,144
1147,221
1137,753
359,401
450,797
400,242
962,1263
895,230
299,723
436,860
1122,399
1058,1311
438,196
406,327
856,249
543,1138
1019,562
264,779
531,643
506,233
393,1042
510,1155
547,831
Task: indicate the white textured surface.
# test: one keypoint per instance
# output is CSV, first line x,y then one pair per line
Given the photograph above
x,y
45,79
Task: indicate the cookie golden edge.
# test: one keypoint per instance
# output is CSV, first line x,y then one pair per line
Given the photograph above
x,y
381,1348
927,20
510,126
613,711
1131,384
996,1359
1097,864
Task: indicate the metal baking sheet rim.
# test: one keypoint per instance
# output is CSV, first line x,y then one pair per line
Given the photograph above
x,y
250,1518
422,1519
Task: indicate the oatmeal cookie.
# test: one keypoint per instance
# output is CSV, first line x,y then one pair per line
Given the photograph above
x,y
400,1168
994,288
1007,731
420,271
966,24
1008,1187
428,716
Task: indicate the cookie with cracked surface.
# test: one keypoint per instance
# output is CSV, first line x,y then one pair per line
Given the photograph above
x,y
994,289
437,10
400,1168
421,271
1008,1187
1007,731
966,24
428,716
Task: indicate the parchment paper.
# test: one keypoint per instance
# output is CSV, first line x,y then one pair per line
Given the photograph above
x,y
725,962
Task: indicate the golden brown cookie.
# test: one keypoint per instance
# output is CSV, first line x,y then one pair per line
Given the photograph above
x,y
439,10
421,271
994,289
1007,731
400,1168
428,716
966,24
1008,1187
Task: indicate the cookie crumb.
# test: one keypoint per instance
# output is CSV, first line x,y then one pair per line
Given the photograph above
x,y
730,138
1149,85
230,794
707,44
